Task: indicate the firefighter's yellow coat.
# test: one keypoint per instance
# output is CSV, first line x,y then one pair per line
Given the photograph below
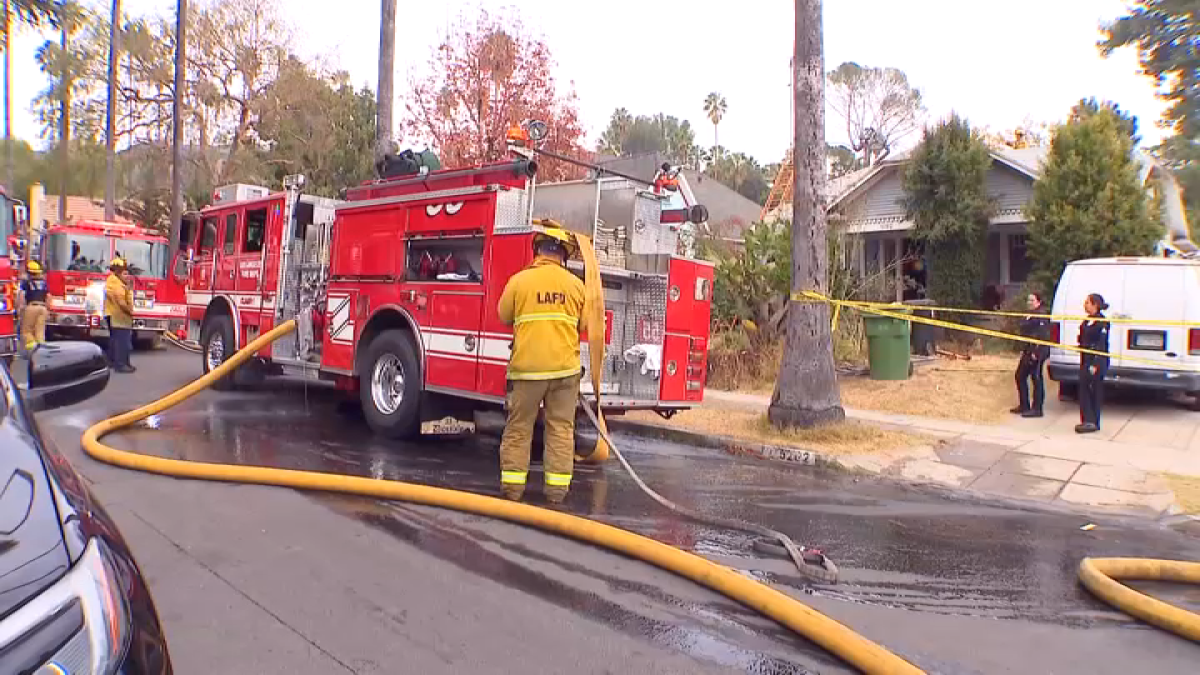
x,y
544,305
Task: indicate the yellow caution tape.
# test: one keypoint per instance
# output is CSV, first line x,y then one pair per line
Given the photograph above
x,y
812,296
875,308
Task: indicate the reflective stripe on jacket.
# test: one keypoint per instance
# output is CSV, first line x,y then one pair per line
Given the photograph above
x,y
118,302
544,305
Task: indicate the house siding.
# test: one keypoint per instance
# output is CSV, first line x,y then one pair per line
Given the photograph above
x,y
1011,190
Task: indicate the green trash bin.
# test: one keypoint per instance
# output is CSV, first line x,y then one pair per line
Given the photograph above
x,y
888,347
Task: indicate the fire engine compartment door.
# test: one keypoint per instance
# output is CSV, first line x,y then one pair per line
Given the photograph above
x,y
689,312
452,338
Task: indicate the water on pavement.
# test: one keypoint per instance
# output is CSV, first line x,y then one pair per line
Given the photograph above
x,y
898,547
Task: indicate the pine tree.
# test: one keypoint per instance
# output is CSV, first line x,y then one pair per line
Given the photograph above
x,y
1089,202
946,198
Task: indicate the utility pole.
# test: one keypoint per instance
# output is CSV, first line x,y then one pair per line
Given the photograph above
x,y
806,392
8,139
64,121
177,122
385,88
110,167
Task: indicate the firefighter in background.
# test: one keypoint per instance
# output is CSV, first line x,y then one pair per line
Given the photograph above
x,y
544,305
118,313
33,307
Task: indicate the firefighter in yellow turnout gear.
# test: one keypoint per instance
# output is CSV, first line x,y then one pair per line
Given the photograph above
x,y
33,307
544,305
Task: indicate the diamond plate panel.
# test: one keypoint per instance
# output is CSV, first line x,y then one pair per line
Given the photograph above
x,y
647,213
512,212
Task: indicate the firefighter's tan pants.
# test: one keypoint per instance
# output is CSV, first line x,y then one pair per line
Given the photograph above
x,y
33,325
524,398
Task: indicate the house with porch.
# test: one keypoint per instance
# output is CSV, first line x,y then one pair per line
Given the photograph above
x,y
868,205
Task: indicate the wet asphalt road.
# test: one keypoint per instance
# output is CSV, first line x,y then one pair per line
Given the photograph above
x,y
952,584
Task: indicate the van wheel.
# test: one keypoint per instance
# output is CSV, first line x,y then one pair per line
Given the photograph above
x,y
1195,402
216,342
389,386
1068,391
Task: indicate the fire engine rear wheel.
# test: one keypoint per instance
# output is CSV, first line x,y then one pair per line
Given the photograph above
x,y
216,338
389,386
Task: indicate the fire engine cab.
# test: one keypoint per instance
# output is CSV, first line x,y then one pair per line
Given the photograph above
x,y
395,290
76,257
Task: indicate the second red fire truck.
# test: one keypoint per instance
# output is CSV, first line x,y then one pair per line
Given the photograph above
x,y
395,289
76,257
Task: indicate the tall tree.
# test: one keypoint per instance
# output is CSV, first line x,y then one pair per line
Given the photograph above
x,y
946,197
319,125
177,121
386,99
1089,201
110,134
740,172
627,136
1166,34
487,75
806,392
879,106
714,108
1090,106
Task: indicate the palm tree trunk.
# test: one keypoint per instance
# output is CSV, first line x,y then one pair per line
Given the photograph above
x,y
806,393
8,139
177,123
385,91
110,136
64,126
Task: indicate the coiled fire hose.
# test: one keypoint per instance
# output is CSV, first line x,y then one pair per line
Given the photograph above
x,y
810,563
853,648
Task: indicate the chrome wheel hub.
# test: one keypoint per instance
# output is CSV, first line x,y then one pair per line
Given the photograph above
x,y
387,384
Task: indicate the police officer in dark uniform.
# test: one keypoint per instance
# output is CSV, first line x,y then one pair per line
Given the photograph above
x,y
1033,359
1093,335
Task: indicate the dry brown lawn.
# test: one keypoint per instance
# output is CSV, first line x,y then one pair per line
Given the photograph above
x,y
980,390
1187,492
846,438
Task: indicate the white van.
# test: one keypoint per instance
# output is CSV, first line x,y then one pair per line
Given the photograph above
x,y
1146,356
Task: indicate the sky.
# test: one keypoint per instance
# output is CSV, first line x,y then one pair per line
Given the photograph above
x,y
997,64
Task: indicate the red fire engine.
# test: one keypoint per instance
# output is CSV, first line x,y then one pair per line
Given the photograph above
x,y
76,257
395,290
12,226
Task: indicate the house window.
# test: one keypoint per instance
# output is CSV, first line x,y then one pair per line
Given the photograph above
x,y
1018,258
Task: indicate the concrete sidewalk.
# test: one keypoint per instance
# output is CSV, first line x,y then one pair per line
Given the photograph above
x,y
1039,459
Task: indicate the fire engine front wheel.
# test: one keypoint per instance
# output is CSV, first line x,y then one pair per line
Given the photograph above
x,y
216,339
390,386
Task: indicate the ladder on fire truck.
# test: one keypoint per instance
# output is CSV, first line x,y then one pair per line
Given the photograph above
x,y
781,187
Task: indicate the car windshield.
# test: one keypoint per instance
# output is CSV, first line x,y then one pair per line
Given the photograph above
x,y
77,252
145,258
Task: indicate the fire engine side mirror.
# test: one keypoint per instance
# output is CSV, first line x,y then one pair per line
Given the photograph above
x,y
698,214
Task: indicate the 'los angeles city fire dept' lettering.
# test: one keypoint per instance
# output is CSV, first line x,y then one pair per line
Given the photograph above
x,y
551,298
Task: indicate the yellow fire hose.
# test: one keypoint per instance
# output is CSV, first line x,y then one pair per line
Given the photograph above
x,y
1100,575
853,648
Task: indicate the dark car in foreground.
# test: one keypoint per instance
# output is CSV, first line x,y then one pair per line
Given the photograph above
x,y
72,599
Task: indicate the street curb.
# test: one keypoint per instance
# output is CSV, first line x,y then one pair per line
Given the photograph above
x,y
726,444
799,455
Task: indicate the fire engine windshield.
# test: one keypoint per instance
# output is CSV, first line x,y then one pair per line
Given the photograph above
x,y
78,252
145,258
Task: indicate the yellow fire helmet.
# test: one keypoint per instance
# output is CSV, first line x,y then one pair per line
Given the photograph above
x,y
33,267
117,263
545,228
